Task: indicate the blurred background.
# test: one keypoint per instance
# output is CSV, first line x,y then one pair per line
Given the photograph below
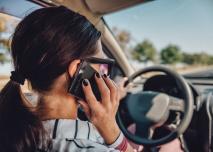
x,y
170,32
7,26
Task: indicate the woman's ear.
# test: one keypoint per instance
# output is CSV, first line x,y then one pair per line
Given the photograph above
x,y
73,67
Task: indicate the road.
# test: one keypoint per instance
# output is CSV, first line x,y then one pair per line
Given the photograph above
x,y
201,73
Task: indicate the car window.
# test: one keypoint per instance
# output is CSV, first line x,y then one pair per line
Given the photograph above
x,y
174,33
11,12
7,25
18,8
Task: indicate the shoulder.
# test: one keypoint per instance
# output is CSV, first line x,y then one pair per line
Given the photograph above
x,y
78,145
73,129
75,135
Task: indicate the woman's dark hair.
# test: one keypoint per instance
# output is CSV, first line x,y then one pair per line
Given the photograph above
x,y
43,45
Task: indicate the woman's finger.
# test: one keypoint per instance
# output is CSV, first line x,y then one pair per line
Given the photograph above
x,y
112,87
89,95
104,90
118,98
118,91
86,108
122,89
122,81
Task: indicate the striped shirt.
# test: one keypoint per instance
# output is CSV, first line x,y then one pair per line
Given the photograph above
x,y
77,136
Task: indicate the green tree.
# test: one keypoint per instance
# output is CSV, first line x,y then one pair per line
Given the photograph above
x,y
197,58
144,51
4,43
122,36
3,59
210,62
201,58
171,54
188,58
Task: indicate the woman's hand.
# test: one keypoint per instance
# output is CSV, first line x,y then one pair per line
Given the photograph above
x,y
120,81
102,113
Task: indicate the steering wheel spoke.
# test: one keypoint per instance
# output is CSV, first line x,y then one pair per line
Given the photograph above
x,y
144,131
176,104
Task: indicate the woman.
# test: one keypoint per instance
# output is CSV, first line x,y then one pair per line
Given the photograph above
x,y
47,48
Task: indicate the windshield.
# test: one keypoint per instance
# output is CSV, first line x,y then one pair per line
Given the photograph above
x,y
174,33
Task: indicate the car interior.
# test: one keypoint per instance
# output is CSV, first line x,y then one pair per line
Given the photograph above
x,y
162,104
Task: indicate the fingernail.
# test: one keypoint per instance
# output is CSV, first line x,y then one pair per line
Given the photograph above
x,y
79,101
97,75
105,76
85,82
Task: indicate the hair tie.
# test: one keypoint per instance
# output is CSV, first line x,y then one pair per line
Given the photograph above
x,y
17,77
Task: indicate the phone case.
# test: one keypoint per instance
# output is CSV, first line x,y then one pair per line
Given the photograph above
x,y
76,85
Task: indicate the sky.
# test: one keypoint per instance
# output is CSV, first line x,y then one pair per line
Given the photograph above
x,y
18,7
187,23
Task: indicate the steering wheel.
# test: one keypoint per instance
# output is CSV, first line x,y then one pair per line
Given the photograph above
x,y
149,110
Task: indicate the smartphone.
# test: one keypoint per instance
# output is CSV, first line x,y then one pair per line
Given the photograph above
x,y
85,71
